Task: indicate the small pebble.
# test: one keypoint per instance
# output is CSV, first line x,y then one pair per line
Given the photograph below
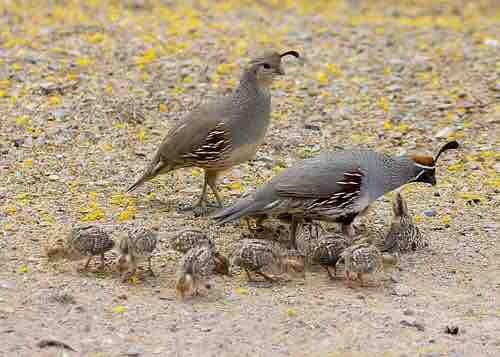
x,y
430,213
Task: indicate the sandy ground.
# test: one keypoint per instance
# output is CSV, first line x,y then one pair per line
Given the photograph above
x,y
87,91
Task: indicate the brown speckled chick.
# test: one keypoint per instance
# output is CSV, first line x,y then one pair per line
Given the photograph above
x,y
363,257
197,264
327,250
403,235
83,241
189,238
253,255
137,244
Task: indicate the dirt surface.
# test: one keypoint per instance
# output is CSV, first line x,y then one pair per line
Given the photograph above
x,y
89,88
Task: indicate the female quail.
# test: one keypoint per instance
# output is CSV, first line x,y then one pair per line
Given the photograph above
x,y
334,186
219,135
83,241
136,245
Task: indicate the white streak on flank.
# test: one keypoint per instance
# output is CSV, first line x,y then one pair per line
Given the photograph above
x,y
425,167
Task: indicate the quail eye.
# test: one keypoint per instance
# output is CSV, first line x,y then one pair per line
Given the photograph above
x,y
266,66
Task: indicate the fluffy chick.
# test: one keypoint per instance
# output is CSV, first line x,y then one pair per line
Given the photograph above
x,y
197,264
189,238
136,245
403,235
82,242
327,249
360,258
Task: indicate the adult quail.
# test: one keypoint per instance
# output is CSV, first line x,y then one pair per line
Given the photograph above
x,y
196,265
137,244
403,234
334,186
221,134
83,241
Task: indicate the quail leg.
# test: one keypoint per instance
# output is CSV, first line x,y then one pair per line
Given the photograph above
x,y
348,279
327,268
86,266
200,206
150,268
265,276
293,231
211,178
249,277
361,281
101,268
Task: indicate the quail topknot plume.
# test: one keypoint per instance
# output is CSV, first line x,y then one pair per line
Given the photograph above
x,y
137,244
403,234
221,134
334,186
82,242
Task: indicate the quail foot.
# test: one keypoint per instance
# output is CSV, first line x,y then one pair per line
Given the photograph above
x,y
84,241
137,244
221,134
334,186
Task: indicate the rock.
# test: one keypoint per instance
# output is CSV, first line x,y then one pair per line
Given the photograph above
x,y
445,132
7,285
134,351
402,290
394,88
430,213
492,42
312,127
53,177
413,323
59,114
455,354
451,330
408,312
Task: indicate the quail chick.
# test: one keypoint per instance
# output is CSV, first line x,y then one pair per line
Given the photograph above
x,y
334,186
403,235
221,134
137,244
327,249
84,241
253,255
363,257
196,265
307,236
190,238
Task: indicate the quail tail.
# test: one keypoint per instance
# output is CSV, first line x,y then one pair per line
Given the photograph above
x,y
237,210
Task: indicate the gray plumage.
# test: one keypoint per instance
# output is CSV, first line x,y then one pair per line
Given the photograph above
x,y
136,245
221,134
189,238
84,241
403,234
334,186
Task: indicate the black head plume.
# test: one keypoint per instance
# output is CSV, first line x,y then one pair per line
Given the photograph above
x,y
290,53
448,146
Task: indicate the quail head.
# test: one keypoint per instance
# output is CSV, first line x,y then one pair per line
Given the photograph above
x,y
197,264
84,241
403,235
221,134
137,244
334,186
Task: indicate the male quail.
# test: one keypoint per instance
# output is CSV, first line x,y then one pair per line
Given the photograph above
x,y
221,134
83,241
334,186
197,264
137,244
403,234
